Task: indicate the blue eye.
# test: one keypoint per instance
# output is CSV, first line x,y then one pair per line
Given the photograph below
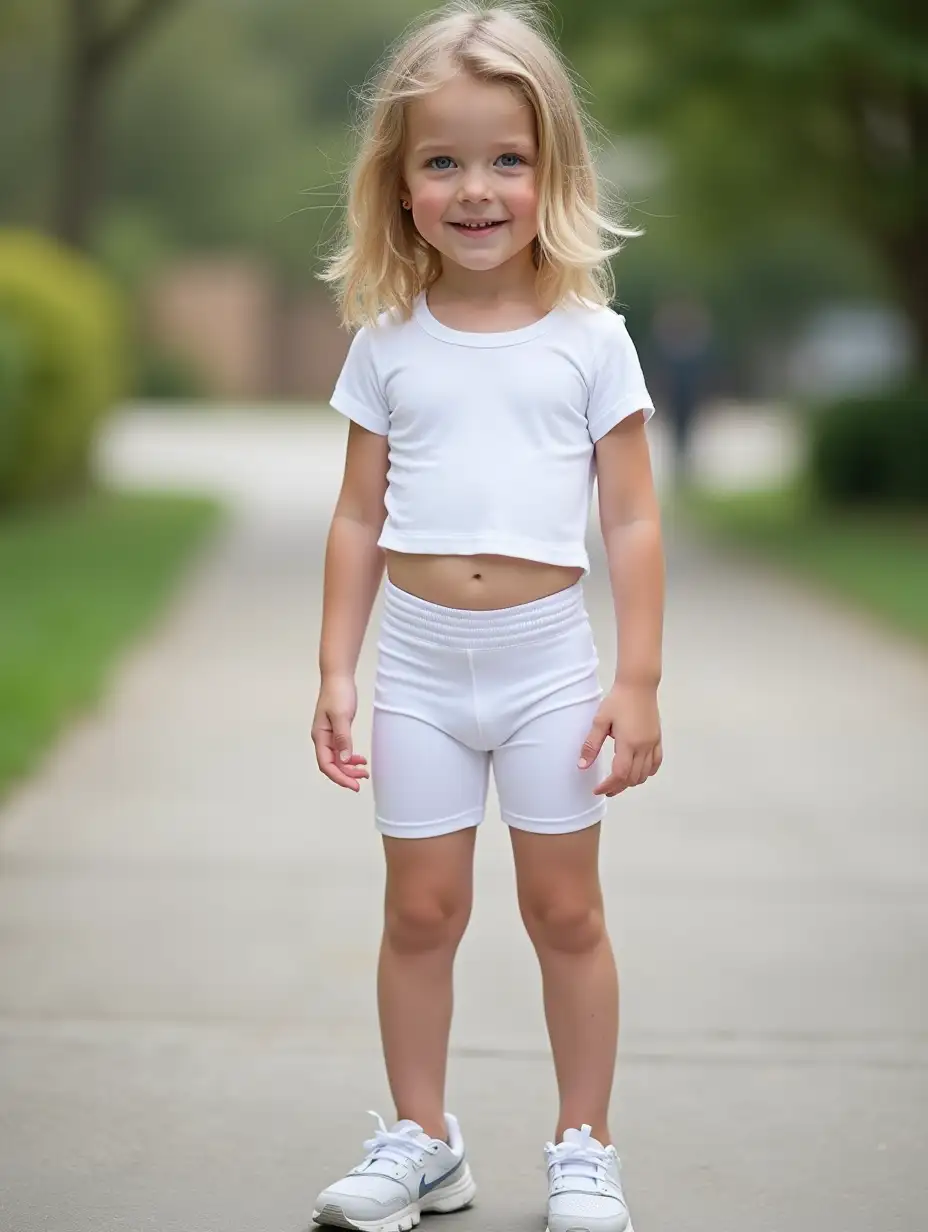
x,y
441,158
516,157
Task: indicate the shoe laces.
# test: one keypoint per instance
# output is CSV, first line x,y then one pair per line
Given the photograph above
x,y
582,1158
399,1148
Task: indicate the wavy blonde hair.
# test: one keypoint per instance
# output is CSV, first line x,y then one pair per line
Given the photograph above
x,y
382,262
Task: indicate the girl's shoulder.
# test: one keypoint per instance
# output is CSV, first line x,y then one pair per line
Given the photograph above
x,y
390,328
596,333
597,320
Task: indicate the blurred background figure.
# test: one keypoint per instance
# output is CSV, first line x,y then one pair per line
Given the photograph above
x,y
682,342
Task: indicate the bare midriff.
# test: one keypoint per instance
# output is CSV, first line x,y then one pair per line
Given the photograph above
x,y
478,583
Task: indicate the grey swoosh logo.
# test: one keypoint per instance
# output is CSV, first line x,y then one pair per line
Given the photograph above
x,y
427,1186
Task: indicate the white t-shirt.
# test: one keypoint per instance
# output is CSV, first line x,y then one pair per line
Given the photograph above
x,y
491,435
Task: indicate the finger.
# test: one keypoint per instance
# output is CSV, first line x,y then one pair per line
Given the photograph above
x,y
339,778
322,738
641,769
614,785
637,766
340,774
617,779
355,766
341,736
591,747
657,757
355,771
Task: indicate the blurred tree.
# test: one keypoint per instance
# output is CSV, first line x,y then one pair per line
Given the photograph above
x,y
98,36
328,58
777,109
227,132
26,106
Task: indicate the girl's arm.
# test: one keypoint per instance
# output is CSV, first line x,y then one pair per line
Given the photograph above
x,y
629,516
630,521
353,572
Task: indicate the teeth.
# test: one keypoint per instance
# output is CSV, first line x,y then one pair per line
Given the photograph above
x,y
476,226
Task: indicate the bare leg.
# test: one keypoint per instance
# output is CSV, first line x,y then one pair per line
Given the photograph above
x,y
561,904
429,892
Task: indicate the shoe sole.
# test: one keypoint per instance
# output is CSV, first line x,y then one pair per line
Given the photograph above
x,y
441,1201
581,1228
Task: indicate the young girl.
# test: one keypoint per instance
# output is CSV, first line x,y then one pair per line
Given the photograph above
x,y
486,384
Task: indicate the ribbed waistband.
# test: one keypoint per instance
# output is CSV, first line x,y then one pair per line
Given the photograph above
x,y
464,628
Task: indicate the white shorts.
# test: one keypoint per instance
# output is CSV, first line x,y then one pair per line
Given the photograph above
x,y
456,690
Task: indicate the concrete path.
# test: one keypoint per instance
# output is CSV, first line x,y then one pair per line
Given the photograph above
x,y
189,913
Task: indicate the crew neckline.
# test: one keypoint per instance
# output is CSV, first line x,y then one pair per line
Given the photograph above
x,y
460,337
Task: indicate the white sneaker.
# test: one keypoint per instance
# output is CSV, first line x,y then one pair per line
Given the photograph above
x,y
585,1186
404,1173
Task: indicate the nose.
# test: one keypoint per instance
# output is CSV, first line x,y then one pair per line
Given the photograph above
x,y
474,185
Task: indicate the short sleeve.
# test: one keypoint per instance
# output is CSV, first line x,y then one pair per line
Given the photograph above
x,y
617,385
358,393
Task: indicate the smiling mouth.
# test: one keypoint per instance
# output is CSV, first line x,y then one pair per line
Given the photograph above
x,y
489,225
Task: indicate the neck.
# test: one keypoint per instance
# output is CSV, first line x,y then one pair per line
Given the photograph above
x,y
513,280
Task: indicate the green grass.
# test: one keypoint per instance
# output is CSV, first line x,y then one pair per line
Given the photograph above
x,y
878,561
79,580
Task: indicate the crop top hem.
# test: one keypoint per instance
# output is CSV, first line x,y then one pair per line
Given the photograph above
x,y
491,544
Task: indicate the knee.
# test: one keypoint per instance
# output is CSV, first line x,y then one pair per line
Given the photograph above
x,y
425,921
569,925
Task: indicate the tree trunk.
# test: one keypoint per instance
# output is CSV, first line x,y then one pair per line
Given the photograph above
x,y
81,165
92,49
908,256
907,250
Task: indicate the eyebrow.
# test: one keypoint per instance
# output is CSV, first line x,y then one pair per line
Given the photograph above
x,y
505,143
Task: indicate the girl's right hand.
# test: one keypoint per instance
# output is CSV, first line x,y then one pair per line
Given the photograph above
x,y
335,711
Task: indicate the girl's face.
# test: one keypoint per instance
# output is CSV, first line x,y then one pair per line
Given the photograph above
x,y
471,149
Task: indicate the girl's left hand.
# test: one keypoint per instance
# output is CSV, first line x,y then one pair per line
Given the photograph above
x,y
630,715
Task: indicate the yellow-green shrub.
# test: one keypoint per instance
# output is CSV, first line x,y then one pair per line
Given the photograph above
x,y
63,354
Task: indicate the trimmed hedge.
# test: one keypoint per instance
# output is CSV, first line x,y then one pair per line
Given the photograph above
x,y
63,348
873,450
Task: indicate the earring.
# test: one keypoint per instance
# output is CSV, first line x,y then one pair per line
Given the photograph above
x,y
406,204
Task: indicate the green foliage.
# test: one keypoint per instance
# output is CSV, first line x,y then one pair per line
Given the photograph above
x,y
873,450
777,116
789,130
226,126
29,57
874,558
62,355
80,579
231,128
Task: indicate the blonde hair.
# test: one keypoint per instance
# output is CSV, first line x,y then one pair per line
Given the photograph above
x,y
382,263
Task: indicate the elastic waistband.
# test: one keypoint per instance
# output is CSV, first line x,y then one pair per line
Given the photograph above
x,y
463,628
